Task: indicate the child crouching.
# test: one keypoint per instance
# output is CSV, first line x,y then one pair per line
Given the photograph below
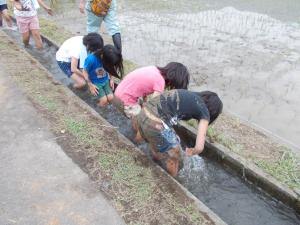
x,y
101,64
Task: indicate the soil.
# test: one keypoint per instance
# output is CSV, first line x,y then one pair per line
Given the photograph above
x,y
111,161
238,136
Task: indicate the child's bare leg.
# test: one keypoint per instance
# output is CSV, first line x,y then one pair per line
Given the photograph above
x,y
171,158
172,162
7,18
37,39
110,97
79,82
102,101
26,37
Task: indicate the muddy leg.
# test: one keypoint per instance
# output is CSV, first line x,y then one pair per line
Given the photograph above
x,y
26,37
102,101
79,82
37,39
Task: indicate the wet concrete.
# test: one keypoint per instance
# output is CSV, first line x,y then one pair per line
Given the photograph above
x,y
234,200
39,183
250,57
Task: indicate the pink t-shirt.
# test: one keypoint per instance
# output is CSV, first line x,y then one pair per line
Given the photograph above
x,y
139,83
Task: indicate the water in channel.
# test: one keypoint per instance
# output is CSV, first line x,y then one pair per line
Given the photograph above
x,y
234,200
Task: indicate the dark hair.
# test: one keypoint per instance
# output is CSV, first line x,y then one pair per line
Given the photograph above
x,y
93,42
213,104
112,60
176,75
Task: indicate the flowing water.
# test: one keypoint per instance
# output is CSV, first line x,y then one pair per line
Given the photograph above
x,y
233,199
248,51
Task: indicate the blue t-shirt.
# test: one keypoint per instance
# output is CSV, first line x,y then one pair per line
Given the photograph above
x,y
94,68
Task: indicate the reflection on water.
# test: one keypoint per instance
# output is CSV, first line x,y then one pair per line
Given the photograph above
x,y
233,200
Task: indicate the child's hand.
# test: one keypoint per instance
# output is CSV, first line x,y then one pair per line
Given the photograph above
x,y
49,11
189,151
112,84
93,89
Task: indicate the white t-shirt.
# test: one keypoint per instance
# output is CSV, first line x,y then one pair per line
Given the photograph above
x,y
28,4
73,47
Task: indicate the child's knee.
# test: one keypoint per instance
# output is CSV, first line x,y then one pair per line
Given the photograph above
x,y
102,101
110,97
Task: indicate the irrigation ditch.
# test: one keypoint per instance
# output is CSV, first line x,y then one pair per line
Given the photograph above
x,y
237,191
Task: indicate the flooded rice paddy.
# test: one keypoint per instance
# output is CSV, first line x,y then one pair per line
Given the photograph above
x,y
247,51
233,199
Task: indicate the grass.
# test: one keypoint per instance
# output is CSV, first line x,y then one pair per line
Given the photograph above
x,y
126,172
54,32
286,169
46,102
139,193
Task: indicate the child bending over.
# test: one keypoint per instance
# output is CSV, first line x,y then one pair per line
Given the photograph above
x,y
101,64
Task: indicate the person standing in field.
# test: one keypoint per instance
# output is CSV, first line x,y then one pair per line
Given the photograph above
x,y
102,10
28,23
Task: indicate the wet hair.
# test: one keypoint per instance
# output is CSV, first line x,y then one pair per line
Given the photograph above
x,y
176,75
112,60
213,104
93,42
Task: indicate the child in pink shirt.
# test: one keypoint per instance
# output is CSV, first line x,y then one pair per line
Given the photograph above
x,y
149,80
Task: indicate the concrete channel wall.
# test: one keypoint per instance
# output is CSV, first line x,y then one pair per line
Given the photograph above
x,y
207,213
244,169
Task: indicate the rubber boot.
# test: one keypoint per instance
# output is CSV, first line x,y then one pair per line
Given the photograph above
x,y
117,41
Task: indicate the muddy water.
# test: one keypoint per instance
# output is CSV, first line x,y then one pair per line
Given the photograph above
x,y
234,200
247,51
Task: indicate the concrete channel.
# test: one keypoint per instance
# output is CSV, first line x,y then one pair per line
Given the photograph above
x,y
249,176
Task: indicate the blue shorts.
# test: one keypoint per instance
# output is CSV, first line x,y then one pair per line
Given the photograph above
x,y
66,67
169,140
163,137
3,7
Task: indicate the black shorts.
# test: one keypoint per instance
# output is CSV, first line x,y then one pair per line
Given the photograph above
x,y
3,7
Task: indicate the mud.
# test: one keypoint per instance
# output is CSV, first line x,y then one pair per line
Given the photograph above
x,y
248,52
137,202
207,180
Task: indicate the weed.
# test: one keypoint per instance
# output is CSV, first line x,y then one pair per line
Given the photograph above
x,y
286,169
46,102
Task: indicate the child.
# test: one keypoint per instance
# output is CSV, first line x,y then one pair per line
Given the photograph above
x,y
158,116
27,20
4,13
71,55
100,64
148,80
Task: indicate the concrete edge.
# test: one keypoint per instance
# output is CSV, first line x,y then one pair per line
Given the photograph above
x,y
247,170
201,206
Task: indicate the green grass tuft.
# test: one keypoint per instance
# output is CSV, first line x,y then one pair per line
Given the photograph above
x,y
286,169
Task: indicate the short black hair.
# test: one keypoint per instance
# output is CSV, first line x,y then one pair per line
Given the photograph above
x,y
112,61
213,104
93,42
176,75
